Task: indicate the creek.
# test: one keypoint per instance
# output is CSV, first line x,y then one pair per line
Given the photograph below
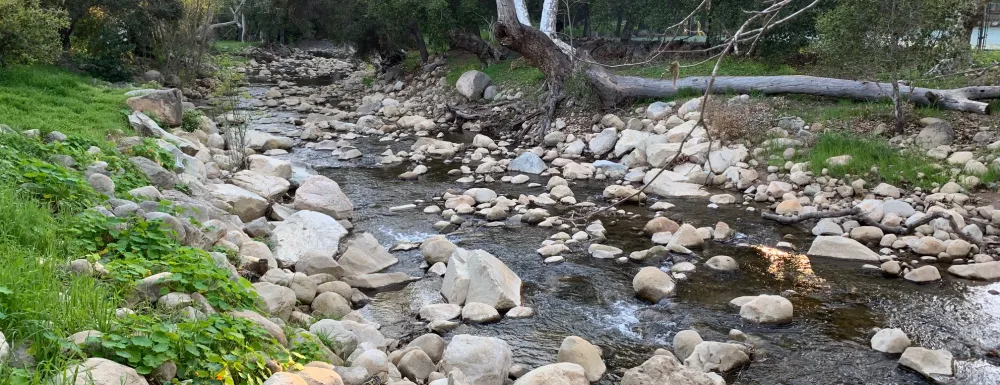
x,y
837,303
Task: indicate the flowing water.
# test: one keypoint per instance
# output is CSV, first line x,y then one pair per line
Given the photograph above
x,y
836,302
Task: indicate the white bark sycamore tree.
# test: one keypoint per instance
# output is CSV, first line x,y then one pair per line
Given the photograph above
x,y
558,62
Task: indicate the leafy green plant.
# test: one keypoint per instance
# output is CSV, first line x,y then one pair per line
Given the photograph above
x,y
28,32
191,120
63,189
152,151
309,347
183,187
144,248
220,349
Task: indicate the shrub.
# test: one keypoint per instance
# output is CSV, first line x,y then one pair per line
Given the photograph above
x,y
149,149
108,55
746,120
139,248
192,120
29,33
219,349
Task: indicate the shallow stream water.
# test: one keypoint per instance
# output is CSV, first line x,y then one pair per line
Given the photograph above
x,y
836,302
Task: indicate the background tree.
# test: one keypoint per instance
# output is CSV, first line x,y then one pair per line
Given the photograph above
x,y
893,40
29,33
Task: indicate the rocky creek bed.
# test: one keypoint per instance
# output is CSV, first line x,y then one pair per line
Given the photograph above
x,y
838,304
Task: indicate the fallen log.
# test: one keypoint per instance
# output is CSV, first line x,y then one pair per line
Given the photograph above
x,y
616,89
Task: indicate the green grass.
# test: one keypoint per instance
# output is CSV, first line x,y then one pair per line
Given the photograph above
x,y
50,99
506,74
899,168
232,47
813,109
41,304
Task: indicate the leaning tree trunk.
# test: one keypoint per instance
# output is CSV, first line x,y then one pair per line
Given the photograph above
x,y
469,42
418,37
538,49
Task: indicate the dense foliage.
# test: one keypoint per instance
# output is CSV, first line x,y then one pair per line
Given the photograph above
x,y
28,33
893,37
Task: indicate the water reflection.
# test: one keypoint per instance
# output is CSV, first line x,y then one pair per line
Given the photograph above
x,y
788,266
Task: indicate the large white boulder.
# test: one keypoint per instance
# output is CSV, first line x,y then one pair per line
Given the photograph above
x,y
717,356
363,255
483,360
988,271
268,187
278,301
304,232
100,371
527,162
833,246
665,369
670,184
472,84
322,194
242,203
267,165
478,276
767,309
563,373
892,341
928,362
653,284
630,140
604,142
579,351
685,341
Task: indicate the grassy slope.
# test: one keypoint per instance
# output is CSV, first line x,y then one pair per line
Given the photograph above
x,y
45,226
41,303
50,99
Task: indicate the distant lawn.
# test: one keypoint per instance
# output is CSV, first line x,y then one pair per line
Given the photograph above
x,y
231,46
509,73
51,99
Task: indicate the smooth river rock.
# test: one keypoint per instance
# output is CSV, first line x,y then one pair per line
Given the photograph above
x,y
483,360
841,248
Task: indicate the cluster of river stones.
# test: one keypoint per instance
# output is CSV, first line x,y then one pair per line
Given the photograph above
x,y
313,277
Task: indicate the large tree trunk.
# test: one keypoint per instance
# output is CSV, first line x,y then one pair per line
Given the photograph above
x,y
587,32
66,34
539,50
469,42
626,34
975,20
419,38
621,17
